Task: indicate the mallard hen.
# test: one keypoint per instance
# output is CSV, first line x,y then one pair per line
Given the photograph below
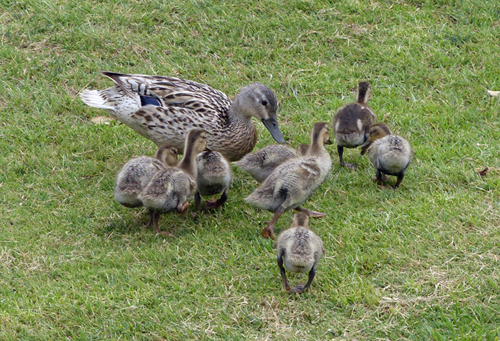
x,y
164,109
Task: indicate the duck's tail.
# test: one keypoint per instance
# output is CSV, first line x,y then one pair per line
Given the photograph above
x,y
97,99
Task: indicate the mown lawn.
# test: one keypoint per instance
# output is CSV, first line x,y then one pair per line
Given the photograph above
x,y
420,263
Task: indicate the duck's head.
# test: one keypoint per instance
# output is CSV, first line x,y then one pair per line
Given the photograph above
x,y
167,154
377,131
364,92
320,133
257,100
196,140
300,219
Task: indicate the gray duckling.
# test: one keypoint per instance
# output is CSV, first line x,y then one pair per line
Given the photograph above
x,y
170,188
352,123
213,177
389,154
134,176
261,163
295,180
299,251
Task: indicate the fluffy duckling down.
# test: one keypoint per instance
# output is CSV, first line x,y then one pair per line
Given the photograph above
x,y
295,180
213,177
352,123
134,176
299,250
170,188
261,163
389,154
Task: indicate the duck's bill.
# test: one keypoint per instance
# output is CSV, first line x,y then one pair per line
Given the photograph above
x,y
272,125
366,144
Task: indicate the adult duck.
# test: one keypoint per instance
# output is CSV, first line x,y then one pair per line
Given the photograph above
x,y
165,109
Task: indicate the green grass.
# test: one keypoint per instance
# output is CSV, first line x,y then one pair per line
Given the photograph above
x,y
420,263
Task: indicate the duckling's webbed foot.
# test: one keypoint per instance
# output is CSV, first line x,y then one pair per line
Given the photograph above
x,y
312,214
151,218
268,231
300,288
212,204
400,178
352,166
182,209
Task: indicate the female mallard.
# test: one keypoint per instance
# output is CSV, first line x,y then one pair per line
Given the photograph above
x,y
164,109
295,180
136,174
170,188
352,123
261,163
213,177
389,154
300,250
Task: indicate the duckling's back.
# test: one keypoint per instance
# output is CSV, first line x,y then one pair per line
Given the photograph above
x,y
133,178
302,248
352,124
391,154
166,189
261,163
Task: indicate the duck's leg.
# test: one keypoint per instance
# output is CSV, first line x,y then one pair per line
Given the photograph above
x,y
197,200
218,203
300,288
150,223
156,217
312,214
401,175
182,209
380,178
268,231
282,270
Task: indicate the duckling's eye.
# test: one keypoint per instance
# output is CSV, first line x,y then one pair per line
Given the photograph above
x,y
264,102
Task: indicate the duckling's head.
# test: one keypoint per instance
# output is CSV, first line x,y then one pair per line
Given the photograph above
x,y
377,131
196,139
364,92
257,100
300,219
303,148
320,133
167,154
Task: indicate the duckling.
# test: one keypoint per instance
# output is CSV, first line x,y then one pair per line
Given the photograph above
x,y
213,177
295,180
352,123
261,163
164,109
300,250
170,188
389,154
136,174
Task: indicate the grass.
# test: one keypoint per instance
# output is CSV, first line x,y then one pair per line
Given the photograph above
x,y
420,263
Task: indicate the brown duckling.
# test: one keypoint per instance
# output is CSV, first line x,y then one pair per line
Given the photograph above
x,y
213,177
352,123
389,154
295,180
136,174
299,250
170,188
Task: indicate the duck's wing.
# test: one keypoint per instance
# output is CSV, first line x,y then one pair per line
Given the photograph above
x,y
172,92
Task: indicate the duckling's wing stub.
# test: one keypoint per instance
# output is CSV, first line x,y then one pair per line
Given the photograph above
x,y
272,125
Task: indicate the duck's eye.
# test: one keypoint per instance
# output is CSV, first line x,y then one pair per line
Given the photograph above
x,y
264,102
